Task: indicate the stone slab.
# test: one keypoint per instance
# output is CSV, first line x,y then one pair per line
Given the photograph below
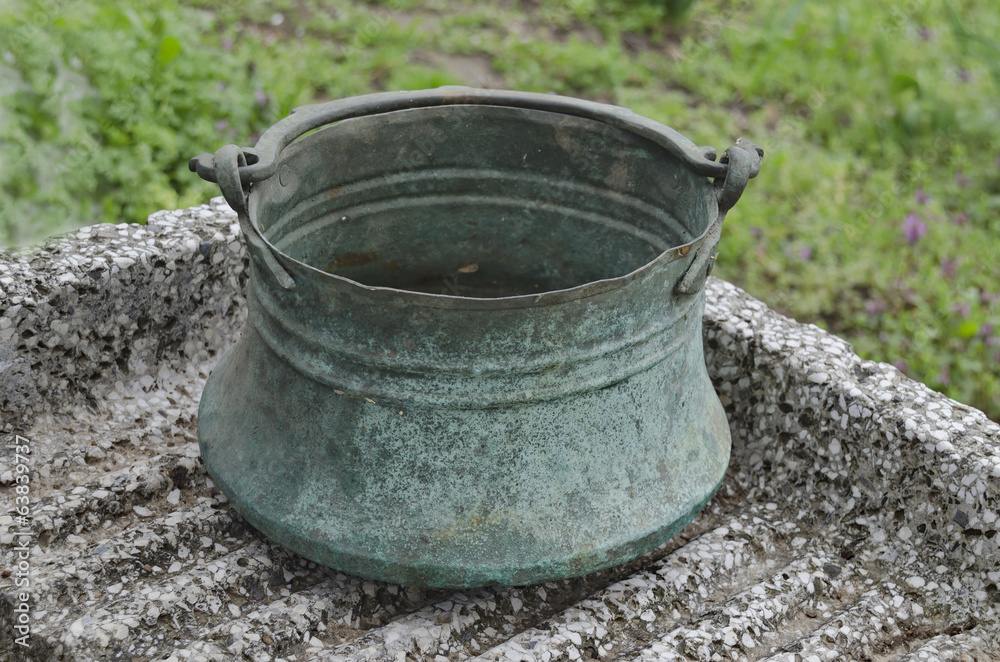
x,y
858,519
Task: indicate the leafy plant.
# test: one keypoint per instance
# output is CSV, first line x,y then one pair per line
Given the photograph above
x,y
106,105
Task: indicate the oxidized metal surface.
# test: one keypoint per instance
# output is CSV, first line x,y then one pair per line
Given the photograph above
x,y
473,351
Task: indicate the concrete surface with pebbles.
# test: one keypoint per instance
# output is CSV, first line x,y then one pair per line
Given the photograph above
x,y
858,520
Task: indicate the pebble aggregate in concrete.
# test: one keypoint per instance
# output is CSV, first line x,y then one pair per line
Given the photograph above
x,y
858,520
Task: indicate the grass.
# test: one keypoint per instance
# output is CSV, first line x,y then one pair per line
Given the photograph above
x,y
877,213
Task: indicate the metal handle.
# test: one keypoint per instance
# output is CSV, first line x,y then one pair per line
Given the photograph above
x,y
743,159
225,165
262,160
225,169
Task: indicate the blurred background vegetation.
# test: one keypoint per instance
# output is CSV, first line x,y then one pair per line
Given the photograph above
x,y
877,215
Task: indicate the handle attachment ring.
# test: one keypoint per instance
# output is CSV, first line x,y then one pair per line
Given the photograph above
x,y
743,160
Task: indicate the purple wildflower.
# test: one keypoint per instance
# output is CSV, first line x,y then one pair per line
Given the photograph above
x,y
961,218
921,196
964,75
987,330
806,253
227,43
944,377
961,179
902,366
261,98
949,266
221,125
913,228
875,306
756,232
963,309
988,298
925,34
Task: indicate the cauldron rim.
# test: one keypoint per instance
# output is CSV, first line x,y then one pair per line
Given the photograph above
x,y
262,161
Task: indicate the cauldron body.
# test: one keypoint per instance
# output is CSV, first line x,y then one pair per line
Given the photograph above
x,y
473,348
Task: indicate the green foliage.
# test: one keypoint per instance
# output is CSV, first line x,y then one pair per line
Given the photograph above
x,y
612,17
106,105
975,45
868,112
574,67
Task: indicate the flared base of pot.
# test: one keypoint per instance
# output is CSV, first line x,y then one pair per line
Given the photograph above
x,y
461,498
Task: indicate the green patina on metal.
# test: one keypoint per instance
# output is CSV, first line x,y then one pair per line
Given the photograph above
x,y
473,352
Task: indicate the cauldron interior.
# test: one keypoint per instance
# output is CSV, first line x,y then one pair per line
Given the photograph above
x,y
479,201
